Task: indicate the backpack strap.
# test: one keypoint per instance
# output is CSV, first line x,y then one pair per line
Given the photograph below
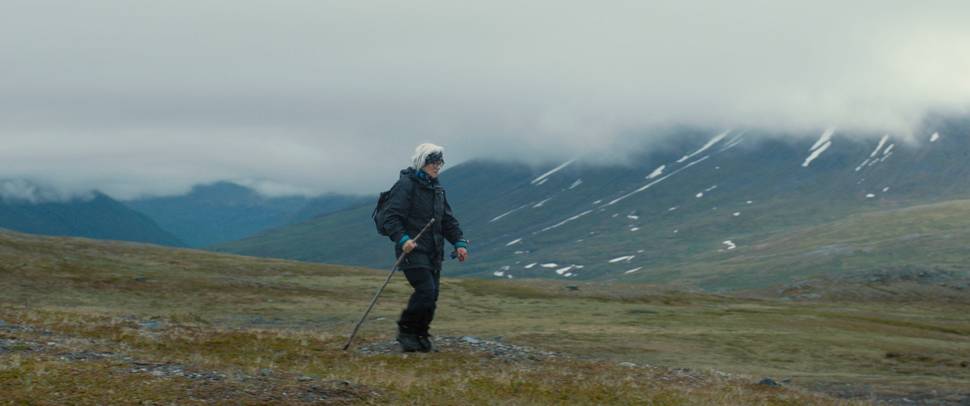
x,y
411,201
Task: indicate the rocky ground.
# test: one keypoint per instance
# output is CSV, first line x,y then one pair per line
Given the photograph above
x,y
493,347
205,386
267,385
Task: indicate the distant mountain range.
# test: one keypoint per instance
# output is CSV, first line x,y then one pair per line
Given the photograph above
x,y
95,216
714,210
208,214
711,209
223,211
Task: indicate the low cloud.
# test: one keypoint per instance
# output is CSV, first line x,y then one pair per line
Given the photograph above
x,y
24,191
309,97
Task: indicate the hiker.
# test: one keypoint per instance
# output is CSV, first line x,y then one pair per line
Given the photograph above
x,y
415,199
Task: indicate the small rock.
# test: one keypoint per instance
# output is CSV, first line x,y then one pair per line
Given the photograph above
x,y
265,372
471,340
305,379
628,364
150,324
769,382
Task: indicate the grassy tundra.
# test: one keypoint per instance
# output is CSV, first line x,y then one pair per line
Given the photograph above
x,y
99,322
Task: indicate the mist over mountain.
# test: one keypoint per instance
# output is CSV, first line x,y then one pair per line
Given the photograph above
x,y
705,208
501,81
31,208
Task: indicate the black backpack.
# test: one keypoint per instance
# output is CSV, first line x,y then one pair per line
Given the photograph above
x,y
380,212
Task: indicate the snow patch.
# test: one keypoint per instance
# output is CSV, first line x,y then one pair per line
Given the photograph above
x,y
934,137
729,245
823,143
870,195
656,172
635,229
498,273
882,142
538,205
513,242
826,136
633,270
531,265
499,217
673,208
632,217
715,140
699,195
542,178
649,185
736,214
626,258
749,202
733,143
550,265
885,189
559,224
561,271
576,183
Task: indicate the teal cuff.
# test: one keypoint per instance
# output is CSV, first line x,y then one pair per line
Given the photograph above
x,y
461,244
405,238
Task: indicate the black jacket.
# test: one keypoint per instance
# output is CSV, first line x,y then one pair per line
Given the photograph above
x,y
414,201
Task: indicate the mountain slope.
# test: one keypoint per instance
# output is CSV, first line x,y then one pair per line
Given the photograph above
x,y
98,216
691,197
225,211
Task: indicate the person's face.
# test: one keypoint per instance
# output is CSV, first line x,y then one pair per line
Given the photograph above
x,y
433,169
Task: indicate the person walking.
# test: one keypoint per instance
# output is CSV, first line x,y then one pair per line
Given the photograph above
x,y
414,200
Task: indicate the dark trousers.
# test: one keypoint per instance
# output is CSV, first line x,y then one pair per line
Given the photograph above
x,y
416,318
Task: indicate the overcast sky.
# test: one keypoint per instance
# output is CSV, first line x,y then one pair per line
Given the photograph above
x,y
137,97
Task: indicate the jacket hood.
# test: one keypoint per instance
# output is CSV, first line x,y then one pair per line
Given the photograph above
x,y
413,174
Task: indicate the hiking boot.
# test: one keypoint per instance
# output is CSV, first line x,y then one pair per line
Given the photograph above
x,y
426,344
409,342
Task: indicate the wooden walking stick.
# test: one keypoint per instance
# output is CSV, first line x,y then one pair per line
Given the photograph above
x,y
381,290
